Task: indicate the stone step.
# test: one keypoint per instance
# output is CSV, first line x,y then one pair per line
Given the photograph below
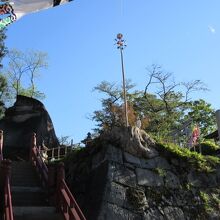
x,y
23,174
25,181
29,196
36,213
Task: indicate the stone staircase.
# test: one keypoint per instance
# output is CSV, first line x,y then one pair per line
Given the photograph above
x,y
29,199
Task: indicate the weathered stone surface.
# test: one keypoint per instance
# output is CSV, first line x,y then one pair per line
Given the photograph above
x,y
157,162
132,140
108,152
148,178
162,163
202,179
153,214
145,189
123,175
136,199
98,159
173,213
26,116
114,212
132,159
115,194
114,154
171,180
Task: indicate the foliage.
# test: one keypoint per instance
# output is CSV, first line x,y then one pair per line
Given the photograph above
x,y
112,113
3,93
207,148
64,140
22,71
201,113
160,171
199,161
206,201
164,108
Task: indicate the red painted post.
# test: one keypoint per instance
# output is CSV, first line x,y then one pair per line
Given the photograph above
x,y
60,177
6,165
33,144
51,184
61,172
1,145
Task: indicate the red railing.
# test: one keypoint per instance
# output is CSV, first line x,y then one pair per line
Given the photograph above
x,y
1,145
64,198
6,172
66,201
38,163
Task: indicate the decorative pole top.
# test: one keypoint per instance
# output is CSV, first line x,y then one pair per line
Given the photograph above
x,y
120,41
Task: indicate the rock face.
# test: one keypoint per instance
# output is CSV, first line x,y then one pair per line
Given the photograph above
x,y
111,184
132,140
28,115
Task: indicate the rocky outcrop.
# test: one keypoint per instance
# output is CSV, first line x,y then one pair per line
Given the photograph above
x,y
26,116
132,140
111,184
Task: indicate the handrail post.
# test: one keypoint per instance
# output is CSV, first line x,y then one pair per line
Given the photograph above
x,y
6,167
33,144
61,172
51,183
60,178
1,145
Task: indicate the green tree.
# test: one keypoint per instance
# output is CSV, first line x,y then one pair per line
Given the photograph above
x,y
202,114
111,113
164,106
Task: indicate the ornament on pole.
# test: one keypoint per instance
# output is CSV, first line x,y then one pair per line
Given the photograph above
x,y
120,42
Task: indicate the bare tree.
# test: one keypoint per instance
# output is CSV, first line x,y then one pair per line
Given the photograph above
x,y
22,70
167,89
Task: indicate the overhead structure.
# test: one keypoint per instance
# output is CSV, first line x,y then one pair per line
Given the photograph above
x,y
121,45
12,10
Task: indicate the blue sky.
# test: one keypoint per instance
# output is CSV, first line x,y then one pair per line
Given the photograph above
x,y
182,36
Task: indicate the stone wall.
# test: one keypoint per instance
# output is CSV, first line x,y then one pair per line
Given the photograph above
x,y
111,184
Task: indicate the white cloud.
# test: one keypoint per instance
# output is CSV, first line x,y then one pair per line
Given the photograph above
x,y
212,29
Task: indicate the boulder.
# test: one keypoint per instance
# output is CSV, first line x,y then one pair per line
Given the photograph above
x,y
132,140
26,116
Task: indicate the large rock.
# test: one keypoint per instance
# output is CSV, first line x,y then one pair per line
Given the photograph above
x,y
26,116
132,140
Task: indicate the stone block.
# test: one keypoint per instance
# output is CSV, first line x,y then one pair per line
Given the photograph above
x,y
171,180
148,163
162,163
114,212
202,179
148,178
132,159
115,194
114,154
123,175
98,159
157,162
153,214
173,213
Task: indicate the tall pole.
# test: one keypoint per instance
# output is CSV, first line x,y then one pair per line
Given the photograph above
x,y
121,46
